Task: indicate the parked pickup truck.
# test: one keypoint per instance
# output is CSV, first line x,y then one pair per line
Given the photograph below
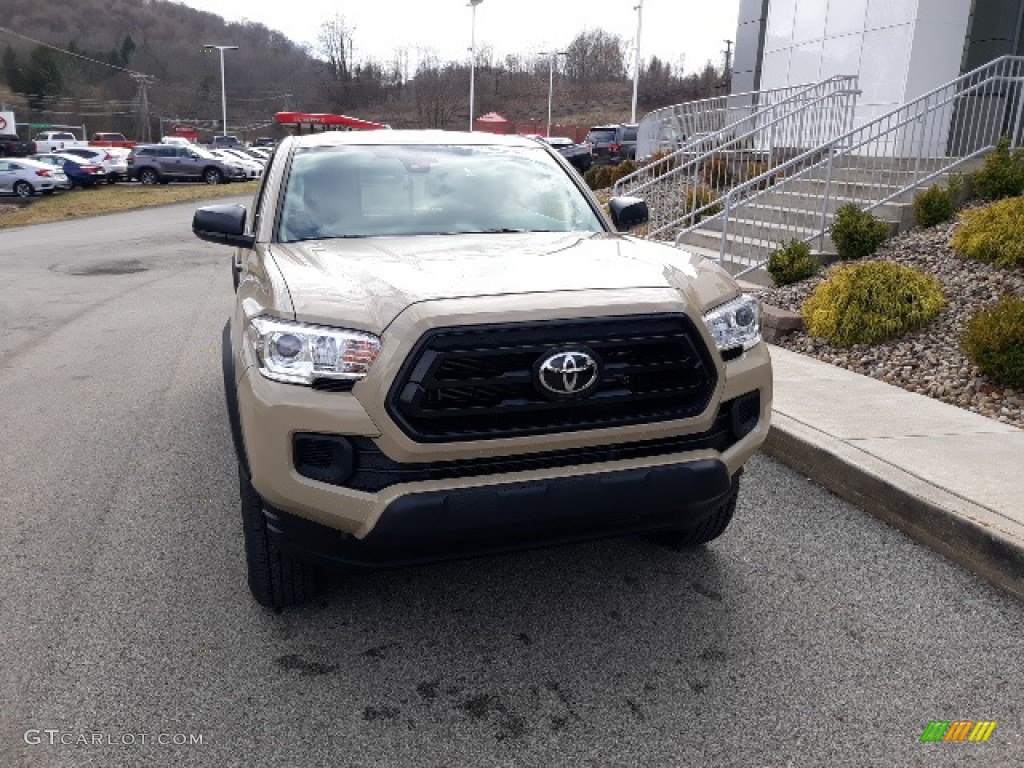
x,y
12,146
111,140
55,141
580,156
441,345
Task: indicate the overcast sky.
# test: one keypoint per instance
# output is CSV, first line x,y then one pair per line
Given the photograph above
x,y
693,29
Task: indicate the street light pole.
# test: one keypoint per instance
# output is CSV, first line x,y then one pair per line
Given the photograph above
x,y
472,60
223,91
551,80
636,61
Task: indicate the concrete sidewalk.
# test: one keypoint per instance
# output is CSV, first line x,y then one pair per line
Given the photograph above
x,y
951,479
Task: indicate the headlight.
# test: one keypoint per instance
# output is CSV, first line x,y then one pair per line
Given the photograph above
x,y
296,353
736,324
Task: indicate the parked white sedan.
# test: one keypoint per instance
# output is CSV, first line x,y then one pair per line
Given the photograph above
x,y
113,160
253,168
25,178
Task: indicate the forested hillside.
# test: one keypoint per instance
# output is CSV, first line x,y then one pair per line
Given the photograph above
x,y
66,63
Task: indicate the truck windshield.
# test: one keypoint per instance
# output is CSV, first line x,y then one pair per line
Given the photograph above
x,y
364,191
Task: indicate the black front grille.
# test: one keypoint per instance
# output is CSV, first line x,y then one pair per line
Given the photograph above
x,y
478,382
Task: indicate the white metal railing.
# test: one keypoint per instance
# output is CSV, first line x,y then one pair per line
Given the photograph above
x,y
869,166
671,128
687,185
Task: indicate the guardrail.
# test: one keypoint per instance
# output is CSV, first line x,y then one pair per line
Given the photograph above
x,y
687,185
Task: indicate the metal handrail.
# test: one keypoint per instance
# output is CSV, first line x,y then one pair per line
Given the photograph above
x,y
710,115
742,156
797,98
895,153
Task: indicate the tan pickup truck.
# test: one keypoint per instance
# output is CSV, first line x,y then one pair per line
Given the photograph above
x,y
442,345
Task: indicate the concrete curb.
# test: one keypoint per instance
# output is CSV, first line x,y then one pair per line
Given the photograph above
x,y
956,528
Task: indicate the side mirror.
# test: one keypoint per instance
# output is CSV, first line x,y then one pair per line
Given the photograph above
x,y
628,212
222,224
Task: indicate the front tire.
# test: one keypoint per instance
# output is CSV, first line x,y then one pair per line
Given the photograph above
x,y
213,176
23,189
707,530
277,579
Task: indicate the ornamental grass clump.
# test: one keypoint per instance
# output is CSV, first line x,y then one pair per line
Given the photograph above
x,y
994,233
994,341
792,263
866,303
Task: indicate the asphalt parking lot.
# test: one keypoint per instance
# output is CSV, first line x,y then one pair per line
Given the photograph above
x,y
810,634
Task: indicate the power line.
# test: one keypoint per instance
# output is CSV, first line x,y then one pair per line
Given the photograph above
x,y
71,53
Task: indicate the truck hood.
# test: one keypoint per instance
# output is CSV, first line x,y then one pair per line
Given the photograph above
x,y
370,281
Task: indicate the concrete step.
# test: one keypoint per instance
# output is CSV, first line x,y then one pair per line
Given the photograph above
x,y
863,190
797,210
897,175
747,250
895,211
774,232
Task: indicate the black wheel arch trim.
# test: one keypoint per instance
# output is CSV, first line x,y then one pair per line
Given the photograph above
x,y
231,399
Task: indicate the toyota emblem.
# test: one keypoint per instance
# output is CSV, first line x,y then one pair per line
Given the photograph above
x,y
570,373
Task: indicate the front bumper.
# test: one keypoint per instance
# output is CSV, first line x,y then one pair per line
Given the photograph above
x,y
443,524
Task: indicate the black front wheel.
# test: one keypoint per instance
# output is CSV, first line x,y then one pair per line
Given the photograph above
x,y
23,189
277,579
213,176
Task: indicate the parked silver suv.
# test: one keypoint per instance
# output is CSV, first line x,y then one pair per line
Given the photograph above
x,y
161,163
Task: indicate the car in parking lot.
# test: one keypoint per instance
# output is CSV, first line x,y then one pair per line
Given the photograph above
x,y
226,142
613,143
24,177
253,168
441,345
580,156
78,172
112,160
163,163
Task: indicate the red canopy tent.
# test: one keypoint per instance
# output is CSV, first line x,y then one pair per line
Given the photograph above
x,y
492,122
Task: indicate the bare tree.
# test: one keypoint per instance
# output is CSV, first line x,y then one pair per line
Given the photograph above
x,y
334,43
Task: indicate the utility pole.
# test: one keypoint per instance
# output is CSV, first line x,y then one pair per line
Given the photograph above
x,y
727,72
636,58
143,130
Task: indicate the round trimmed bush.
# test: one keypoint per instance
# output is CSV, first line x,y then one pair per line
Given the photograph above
x,y
866,303
856,233
933,206
994,341
792,263
622,170
994,233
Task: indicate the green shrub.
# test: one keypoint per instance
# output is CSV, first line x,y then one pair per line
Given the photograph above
x,y
933,206
1003,173
994,233
870,302
622,170
598,176
857,233
792,263
994,341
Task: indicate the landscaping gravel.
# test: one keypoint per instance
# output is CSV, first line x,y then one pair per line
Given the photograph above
x,y
928,361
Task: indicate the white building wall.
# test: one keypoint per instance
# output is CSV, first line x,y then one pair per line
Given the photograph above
x,y
899,49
